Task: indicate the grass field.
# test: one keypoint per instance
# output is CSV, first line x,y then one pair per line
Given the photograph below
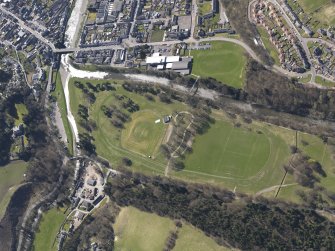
x,y
60,96
140,137
11,176
48,229
321,81
157,35
249,157
21,110
320,10
268,45
224,61
192,239
140,231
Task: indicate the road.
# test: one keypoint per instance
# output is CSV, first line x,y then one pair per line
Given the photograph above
x,y
131,43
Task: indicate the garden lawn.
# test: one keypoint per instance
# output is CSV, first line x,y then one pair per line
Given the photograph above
x,y
225,62
49,226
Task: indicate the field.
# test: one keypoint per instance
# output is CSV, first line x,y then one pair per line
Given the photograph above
x,y
268,45
157,35
48,229
137,230
192,239
248,157
11,176
21,110
224,61
233,153
320,10
59,95
321,81
140,137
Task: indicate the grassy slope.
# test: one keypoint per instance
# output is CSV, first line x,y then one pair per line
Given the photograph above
x,y
48,229
192,239
137,230
59,94
321,10
224,61
321,81
11,176
108,138
268,45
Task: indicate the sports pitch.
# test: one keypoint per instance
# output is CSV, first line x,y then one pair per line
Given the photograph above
x,y
249,157
225,62
142,134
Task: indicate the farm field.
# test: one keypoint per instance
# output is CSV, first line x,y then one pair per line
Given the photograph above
x,y
48,229
140,138
246,158
11,176
225,62
141,231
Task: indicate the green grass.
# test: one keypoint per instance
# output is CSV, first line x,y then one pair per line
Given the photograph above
x,y
140,231
249,158
48,229
21,110
224,61
192,239
305,80
11,176
310,6
268,45
157,35
205,7
60,96
321,81
141,135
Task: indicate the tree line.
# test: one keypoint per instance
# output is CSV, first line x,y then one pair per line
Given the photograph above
x,y
234,221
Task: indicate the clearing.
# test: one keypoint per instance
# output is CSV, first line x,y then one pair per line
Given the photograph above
x,y
11,176
48,229
225,62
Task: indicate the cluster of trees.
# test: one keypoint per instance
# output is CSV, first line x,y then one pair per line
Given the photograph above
x,y
96,228
237,11
264,87
304,170
140,88
106,86
118,118
243,224
89,124
170,242
5,76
